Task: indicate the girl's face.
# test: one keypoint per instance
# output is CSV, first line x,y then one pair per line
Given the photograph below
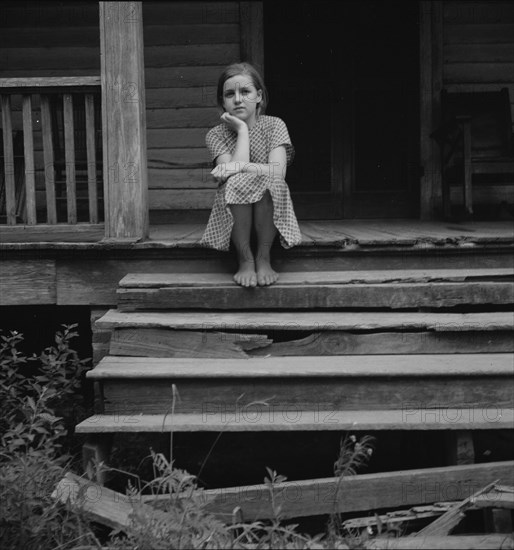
x,y
241,99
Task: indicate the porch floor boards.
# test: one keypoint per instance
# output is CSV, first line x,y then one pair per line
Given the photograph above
x,y
324,233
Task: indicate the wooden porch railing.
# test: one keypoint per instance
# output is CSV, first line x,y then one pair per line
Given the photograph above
x,y
71,140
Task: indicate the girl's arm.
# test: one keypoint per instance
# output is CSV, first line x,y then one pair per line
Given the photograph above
x,y
227,164
276,167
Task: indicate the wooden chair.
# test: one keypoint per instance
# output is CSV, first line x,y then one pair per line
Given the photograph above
x,y
475,137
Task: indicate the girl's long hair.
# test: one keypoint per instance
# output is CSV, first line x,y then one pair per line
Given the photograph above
x,y
245,69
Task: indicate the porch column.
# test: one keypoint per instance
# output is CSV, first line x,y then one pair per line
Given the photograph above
x,y
431,76
123,120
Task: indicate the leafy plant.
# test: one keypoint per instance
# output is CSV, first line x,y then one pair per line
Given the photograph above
x,y
31,459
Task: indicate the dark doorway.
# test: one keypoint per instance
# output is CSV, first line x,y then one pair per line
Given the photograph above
x,y
345,78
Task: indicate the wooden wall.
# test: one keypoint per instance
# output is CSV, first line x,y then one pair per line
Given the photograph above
x,y
47,39
187,44
478,46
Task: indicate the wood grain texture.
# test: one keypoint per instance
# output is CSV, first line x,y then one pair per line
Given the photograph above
x,y
361,492
393,296
8,161
48,151
27,282
438,366
162,280
69,152
28,152
294,395
124,120
125,420
148,342
314,320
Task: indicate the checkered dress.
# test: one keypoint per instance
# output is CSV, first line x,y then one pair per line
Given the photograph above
x,y
244,188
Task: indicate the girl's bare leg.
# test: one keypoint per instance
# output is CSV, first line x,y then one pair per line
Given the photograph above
x,y
266,232
242,214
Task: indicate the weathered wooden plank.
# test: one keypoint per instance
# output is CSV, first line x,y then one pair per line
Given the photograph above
x,y
24,282
57,234
188,117
69,153
82,57
166,98
28,150
182,77
255,396
33,84
173,138
100,503
175,157
439,366
218,33
193,199
453,542
444,524
345,343
190,13
148,342
180,178
313,320
162,280
361,492
470,11
478,72
174,55
124,120
91,157
254,419
67,37
393,296
478,33
8,161
48,151
479,53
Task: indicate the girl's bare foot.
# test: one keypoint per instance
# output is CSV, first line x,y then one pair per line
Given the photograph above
x,y
246,275
265,274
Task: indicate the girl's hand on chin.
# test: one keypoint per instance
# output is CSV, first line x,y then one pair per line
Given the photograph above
x,y
233,122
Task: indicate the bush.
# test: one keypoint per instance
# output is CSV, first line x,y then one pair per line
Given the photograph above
x,y
31,459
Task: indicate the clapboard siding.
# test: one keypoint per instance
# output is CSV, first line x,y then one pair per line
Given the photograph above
x,y
184,56
478,46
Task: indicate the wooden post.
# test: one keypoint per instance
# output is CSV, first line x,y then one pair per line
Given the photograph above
x,y
252,34
124,120
430,85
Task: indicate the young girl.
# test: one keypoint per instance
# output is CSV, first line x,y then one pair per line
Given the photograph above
x,y
251,152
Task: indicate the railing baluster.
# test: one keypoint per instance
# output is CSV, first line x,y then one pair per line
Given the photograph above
x,y
28,146
69,156
91,158
48,155
10,187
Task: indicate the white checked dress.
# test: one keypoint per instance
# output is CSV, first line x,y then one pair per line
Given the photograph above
x,y
267,133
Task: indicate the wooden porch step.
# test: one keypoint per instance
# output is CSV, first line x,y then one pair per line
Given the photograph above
x,y
474,418
395,289
240,334
367,382
312,320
